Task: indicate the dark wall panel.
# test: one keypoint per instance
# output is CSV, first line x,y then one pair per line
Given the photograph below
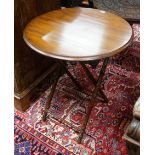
x,y
28,64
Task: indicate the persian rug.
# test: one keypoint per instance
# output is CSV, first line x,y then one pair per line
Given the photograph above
x,y
128,9
107,122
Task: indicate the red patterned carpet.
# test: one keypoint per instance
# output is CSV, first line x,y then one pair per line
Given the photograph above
x,y
107,122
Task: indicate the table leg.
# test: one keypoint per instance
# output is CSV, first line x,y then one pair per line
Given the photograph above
x,y
93,80
63,64
94,95
48,103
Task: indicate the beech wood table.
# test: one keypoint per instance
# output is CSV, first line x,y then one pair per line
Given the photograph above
x,y
78,34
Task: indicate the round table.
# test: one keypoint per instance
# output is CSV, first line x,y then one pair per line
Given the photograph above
x,y
78,34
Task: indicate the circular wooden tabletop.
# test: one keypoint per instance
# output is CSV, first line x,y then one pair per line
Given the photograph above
x,y
78,34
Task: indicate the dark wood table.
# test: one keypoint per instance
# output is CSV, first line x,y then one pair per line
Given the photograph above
x,y
78,34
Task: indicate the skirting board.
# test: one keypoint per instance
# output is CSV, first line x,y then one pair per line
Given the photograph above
x,y
22,100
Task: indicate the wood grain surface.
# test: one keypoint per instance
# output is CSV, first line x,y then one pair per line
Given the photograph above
x,y
78,34
29,65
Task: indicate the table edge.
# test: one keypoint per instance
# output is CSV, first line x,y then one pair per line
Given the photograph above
x,y
88,58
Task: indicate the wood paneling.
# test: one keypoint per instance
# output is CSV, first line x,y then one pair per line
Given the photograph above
x,y
29,65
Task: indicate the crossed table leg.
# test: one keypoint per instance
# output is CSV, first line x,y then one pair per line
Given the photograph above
x,y
97,89
61,66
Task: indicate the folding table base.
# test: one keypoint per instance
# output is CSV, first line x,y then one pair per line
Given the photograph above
x,y
97,84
